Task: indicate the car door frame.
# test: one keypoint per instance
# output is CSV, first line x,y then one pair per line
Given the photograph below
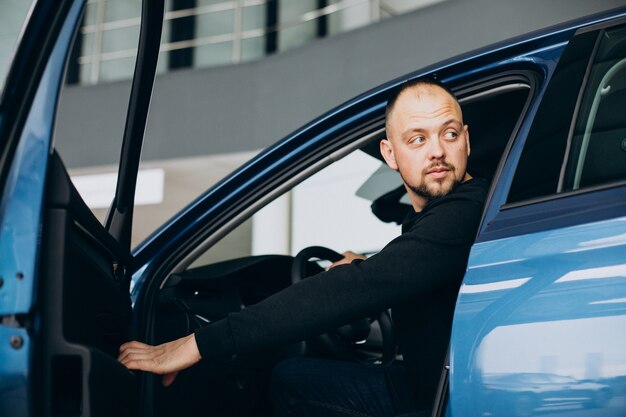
x,y
28,109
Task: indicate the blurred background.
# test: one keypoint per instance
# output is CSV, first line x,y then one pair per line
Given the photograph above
x,y
236,76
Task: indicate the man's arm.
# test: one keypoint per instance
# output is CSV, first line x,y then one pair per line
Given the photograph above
x,y
430,256
169,358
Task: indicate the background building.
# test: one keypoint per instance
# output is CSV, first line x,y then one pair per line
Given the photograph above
x,y
236,76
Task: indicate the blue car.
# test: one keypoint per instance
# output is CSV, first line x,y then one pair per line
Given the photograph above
x,y
540,321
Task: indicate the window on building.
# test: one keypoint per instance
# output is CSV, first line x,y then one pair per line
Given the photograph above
x,y
208,33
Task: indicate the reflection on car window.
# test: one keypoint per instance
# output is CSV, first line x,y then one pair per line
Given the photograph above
x,y
598,146
12,17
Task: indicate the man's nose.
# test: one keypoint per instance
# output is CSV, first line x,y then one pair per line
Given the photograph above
x,y
436,150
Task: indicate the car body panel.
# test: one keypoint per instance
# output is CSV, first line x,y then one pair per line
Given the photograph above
x,y
548,302
543,299
20,209
20,227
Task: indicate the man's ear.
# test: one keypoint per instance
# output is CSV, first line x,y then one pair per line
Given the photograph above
x,y
386,151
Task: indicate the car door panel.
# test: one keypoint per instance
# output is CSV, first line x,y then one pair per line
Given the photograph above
x,y
21,209
548,302
540,314
86,311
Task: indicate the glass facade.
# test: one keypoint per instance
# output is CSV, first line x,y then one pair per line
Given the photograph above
x,y
206,33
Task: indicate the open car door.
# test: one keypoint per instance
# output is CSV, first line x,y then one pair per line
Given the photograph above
x,y
64,290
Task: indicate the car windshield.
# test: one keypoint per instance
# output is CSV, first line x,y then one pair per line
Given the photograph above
x,y
13,14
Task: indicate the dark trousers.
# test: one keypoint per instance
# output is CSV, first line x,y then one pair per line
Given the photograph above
x,y
308,387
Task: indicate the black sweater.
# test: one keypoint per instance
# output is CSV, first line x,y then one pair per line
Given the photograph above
x,y
418,275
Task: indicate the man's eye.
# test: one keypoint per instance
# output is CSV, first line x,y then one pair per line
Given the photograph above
x,y
451,135
418,140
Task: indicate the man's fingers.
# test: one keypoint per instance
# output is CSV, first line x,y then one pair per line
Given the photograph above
x,y
134,345
147,365
165,359
136,356
135,353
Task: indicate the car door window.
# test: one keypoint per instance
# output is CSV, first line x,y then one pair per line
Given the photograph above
x,y
537,173
578,139
598,146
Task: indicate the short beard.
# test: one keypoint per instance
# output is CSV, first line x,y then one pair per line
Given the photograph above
x,y
429,193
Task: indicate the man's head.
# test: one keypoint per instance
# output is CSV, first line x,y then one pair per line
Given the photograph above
x,y
427,141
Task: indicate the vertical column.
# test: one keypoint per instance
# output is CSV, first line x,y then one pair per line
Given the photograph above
x,y
97,42
237,31
73,66
322,20
182,29
355,14
271,27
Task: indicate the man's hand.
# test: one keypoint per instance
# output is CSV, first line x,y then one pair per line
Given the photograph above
x,y
166,359
348,257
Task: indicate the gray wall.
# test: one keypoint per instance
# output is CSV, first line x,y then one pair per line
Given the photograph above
x,y
250,106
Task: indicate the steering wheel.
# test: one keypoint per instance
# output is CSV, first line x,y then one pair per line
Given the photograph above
x,y
343,342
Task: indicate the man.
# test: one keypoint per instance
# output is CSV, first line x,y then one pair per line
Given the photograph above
x,y
416,274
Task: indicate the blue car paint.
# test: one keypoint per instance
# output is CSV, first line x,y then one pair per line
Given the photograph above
x,y
20,208
15,393
542,298
546,61
547,302
20,225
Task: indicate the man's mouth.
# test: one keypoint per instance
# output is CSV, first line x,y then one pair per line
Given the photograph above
x,y
438,171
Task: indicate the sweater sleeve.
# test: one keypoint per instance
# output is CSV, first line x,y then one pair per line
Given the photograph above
x,y
432,254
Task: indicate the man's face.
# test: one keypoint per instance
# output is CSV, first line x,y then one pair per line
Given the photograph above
x,y
427,143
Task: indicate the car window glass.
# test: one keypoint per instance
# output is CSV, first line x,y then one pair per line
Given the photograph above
x,y
13,14
331,208
598,146
89,140
539,167
578,139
